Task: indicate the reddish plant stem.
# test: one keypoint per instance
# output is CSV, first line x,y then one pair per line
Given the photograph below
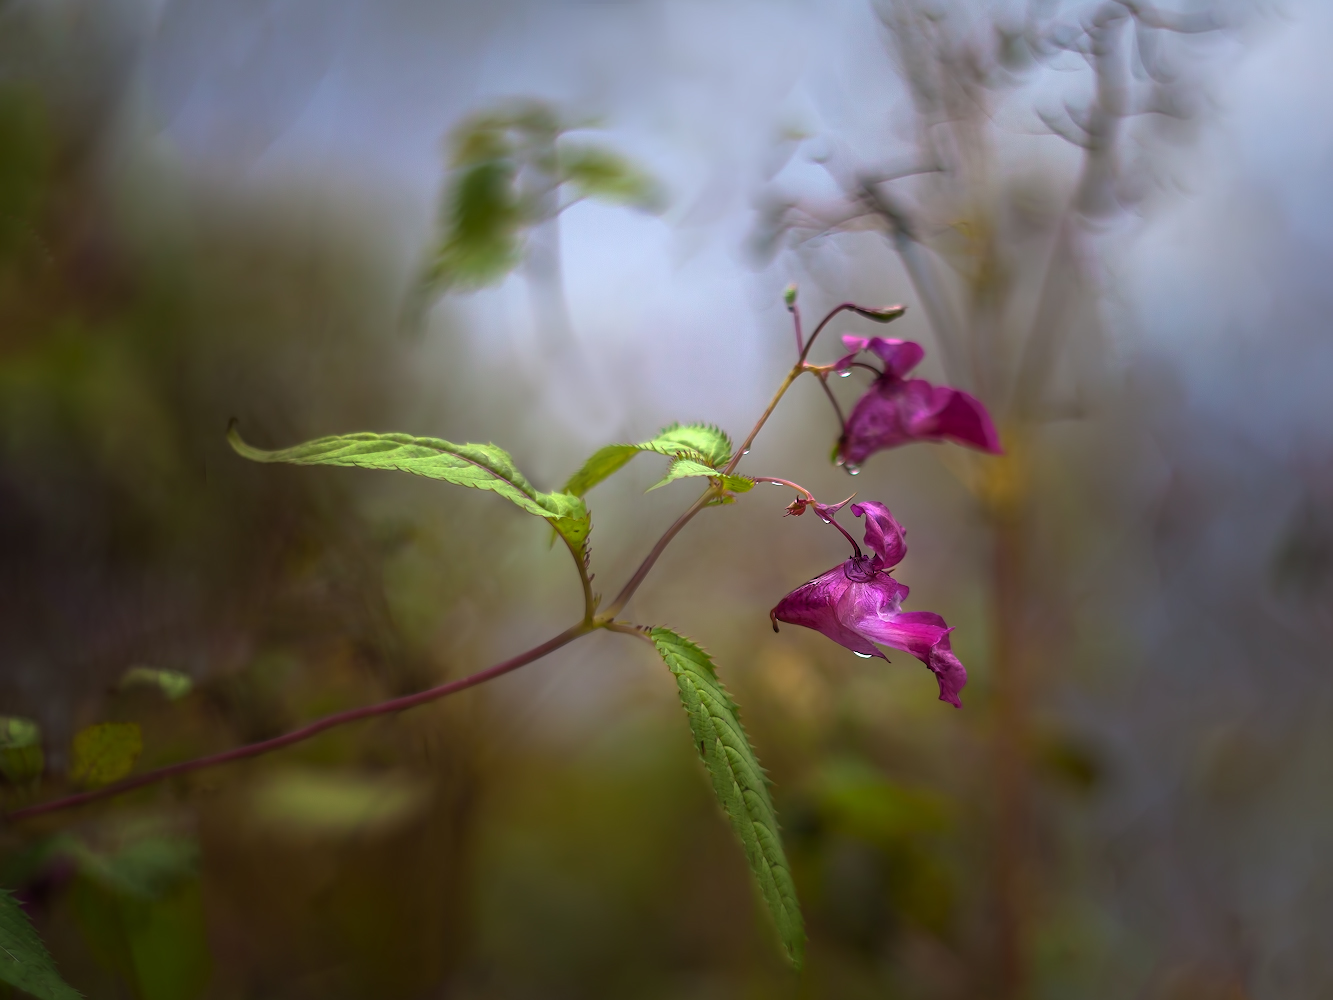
x,y
589,624
304,733
785,482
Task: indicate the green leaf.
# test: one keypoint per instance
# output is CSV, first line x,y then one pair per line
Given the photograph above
x,y
482,227
481,466
683,468
702,442
738,780
171,683
596,172
24,960
105,752
146,868
21,756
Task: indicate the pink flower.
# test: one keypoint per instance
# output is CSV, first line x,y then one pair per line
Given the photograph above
x,y
896,410
858,604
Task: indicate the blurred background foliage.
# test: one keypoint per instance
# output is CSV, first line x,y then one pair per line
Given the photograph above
x,y
1144,814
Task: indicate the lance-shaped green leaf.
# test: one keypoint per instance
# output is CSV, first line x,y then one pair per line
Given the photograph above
x,y
684,468
24,960
480,466
703,443
738,780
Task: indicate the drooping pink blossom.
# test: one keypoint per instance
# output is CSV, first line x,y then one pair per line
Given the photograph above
x,y
858,604
897,410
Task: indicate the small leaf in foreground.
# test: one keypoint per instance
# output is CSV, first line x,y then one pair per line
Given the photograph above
x,y
24,960
21,756
171,683
105,752
703,443
738,780
683,468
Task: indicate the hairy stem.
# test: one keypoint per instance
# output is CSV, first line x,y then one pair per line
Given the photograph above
x,y
581,564
305,732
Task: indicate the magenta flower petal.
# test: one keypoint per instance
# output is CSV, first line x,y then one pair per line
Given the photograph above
x,y
899,356
925,635
897,411
884,535
814,605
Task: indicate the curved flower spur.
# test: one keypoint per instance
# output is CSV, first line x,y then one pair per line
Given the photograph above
x,y
858,603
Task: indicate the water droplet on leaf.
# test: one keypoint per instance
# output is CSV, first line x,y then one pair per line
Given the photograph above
x,y
864,656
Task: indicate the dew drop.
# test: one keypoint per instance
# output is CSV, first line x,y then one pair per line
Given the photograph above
x,y
864,656
853,470
746,451
845,374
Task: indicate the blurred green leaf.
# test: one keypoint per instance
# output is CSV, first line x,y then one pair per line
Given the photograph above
x,y
25,962
684,468
331,802
146,868
702,442
21,756
482,223
25,160
596,172
171,683
105,752
738,780
481,466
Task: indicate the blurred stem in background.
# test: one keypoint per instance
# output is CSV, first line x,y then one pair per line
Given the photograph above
x,y
956,204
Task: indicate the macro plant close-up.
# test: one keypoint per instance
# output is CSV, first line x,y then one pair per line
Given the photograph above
x,y
1034,284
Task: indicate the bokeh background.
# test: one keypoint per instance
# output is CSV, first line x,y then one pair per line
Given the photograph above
x,y
219,209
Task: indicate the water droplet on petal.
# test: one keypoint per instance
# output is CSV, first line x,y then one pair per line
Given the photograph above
x,y
853,470
845,374
864,656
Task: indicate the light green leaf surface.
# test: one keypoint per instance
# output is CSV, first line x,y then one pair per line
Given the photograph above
x,y
21,756
684,468
480,466
597,172
703,443
24,960
171,683
738,780
105,752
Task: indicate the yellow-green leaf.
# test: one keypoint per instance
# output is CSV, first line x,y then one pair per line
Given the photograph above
x,y
105,752
480,466
702,443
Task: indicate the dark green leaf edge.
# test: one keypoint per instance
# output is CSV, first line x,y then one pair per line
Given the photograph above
x,y
738,780
24,961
